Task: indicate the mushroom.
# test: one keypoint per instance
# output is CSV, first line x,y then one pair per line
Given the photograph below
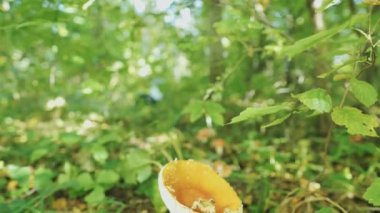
x,y
188,186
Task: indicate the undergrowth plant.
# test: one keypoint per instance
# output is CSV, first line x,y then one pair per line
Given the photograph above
x,y
95,96
355,117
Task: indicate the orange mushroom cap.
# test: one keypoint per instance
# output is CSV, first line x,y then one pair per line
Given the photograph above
x,y
189,181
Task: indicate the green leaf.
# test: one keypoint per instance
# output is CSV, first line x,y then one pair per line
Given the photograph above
x,y
107,177
213,107
143,174
308,42
84,181
195,114
37,154
136,167
96,196
63,178
253,113
21,174
214,110
277,121
355,121
99,153
195,109
217,118
316,99
69,138
326,210
364,92
372,195
108,137
150,189
43,178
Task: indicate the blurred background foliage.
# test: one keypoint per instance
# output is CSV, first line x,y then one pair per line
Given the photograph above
x,y
96,95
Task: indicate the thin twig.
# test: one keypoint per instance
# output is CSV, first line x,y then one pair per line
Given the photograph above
x,y
317,199
327,144
166,155
374,209
344,97
289,197
156,163
335,204
222,79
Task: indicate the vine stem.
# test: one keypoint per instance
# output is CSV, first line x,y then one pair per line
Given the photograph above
x,y
332,125
344,97
328,136
327,144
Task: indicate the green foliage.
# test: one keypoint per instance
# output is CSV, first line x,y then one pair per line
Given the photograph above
x,y
107,177
96,196
355,121
136,167
37,154
84,182
21,174
257,112
309,42
99,153
364,92
150,189
43,178
97,95
316,99
372,195
326,210
277,121
197,109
